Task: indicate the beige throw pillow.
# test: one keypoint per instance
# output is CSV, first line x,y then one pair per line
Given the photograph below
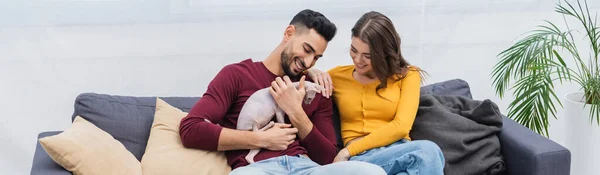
x,y
165,154
87,149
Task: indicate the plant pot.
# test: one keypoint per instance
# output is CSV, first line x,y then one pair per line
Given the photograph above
x,y
583,135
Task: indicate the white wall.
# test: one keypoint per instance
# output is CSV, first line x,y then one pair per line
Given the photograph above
x,y
53,50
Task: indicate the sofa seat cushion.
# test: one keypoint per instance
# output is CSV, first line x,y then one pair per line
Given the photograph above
x,y
128,119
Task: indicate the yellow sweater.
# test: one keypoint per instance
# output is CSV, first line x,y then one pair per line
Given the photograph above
x,y
364,113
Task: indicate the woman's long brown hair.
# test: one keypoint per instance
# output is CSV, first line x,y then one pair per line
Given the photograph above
x,y
378,31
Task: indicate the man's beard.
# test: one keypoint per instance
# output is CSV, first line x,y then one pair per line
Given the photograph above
x,y
286,61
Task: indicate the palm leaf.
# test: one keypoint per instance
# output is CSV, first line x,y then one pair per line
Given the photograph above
x,y
535,62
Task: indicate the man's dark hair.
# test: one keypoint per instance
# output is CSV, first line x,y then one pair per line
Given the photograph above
x,y
309,19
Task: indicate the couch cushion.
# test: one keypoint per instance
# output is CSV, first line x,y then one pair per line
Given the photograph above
x,y
457,87
85,149
128,119
165,154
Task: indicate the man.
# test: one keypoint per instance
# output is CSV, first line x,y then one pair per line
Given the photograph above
x,y
307,143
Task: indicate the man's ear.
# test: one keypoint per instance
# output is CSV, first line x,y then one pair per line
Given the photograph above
x,y
290,30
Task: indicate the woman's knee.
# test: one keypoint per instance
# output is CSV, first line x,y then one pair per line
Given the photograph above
x,y
431,152
429,145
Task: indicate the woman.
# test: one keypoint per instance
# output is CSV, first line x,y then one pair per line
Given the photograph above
x,y
377,99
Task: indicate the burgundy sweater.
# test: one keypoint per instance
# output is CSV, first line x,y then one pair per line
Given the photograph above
x,y
223,101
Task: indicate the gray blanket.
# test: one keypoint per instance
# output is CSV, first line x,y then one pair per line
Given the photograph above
x,y
465,130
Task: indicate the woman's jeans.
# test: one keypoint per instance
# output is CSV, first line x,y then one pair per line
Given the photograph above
x,y
406,157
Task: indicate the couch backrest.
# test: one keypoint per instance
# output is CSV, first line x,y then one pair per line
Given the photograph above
x,y
129,119
457,87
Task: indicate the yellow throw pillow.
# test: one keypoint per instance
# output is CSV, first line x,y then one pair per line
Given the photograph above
x,y
165,154
87,149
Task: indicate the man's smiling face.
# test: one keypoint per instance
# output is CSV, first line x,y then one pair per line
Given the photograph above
x,y
302,51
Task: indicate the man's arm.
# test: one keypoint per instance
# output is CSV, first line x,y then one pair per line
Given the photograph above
x,y
320,141
199,130
313,134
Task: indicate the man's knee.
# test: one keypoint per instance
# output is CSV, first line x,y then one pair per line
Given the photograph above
x,y
369,168
359,167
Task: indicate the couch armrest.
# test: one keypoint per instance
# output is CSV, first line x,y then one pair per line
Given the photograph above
x,y
42,163
528,153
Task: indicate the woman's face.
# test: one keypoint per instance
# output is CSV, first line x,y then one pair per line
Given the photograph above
x,y
359,51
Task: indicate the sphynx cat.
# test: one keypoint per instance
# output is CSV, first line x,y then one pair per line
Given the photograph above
x,y
259,109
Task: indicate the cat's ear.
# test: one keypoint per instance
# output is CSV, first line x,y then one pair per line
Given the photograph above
x,y
311,92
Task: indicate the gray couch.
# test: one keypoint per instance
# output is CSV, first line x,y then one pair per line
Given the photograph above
x,y
129,119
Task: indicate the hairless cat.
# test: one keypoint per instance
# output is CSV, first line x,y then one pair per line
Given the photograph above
x,y
259,109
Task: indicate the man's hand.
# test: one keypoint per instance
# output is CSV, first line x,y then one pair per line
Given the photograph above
x,y
288,98
278,137
343,155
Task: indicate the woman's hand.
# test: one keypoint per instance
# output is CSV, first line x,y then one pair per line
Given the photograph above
x,y
343,155
323,79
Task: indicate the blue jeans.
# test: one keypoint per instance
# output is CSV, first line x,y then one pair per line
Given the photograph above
x,y
406,157
304,166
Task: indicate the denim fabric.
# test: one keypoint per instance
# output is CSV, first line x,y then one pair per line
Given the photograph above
x,y
302,165
406,157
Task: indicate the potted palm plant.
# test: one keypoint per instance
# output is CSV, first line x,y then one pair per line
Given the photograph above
x,y
538,61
